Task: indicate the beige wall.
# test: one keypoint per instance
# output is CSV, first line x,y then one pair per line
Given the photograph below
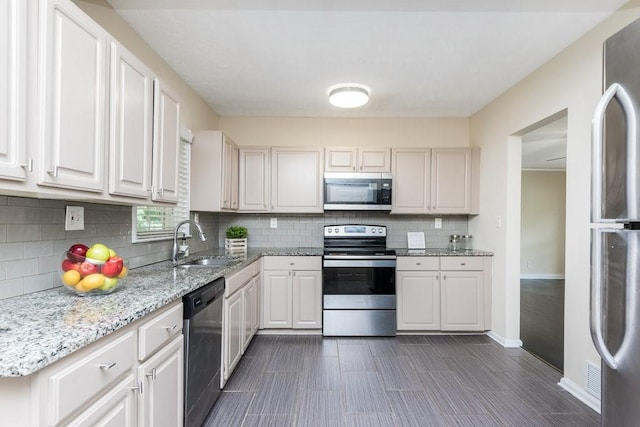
x,y
388,132
571,81
542,223
196,114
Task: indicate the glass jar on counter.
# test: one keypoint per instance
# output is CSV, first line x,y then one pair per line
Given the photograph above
x,y
467,242
454,242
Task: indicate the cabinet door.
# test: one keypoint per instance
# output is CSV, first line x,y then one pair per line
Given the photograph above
x,y
374,159
340,159
117,408
418,295
254,180
451,180
307,299
250,311
229,175
233,332
13,48
166,138
411,180
131,125
296,180
161,400
462,299
73,79
277,299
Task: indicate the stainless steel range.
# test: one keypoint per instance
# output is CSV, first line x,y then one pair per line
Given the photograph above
x,y
358,282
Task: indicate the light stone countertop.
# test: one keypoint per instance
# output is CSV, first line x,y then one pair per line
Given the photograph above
x,y
441,252
39,328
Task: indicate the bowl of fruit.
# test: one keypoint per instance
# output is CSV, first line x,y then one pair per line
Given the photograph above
x,y
92,270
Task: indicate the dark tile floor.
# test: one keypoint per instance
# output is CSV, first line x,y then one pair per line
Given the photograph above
x,y
542,319
402,381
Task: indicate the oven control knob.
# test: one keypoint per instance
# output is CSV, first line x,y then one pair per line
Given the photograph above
x,y
373,230
335,229
380,230
329,230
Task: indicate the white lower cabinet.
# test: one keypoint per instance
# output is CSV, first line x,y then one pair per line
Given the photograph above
x,y
117,408
161,379
240,319
444,293
131,377
292,292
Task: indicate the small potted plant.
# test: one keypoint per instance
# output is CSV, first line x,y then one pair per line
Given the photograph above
x,y
236,239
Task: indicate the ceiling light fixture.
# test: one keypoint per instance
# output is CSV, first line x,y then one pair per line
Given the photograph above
x,y
348,95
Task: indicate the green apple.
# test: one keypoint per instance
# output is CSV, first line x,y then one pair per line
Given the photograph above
x,y
112,253
98,252
109,283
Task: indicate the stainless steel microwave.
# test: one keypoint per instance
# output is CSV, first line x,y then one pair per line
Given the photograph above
x,y
357,191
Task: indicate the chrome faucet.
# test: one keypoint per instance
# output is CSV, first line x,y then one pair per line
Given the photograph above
x,y
175,253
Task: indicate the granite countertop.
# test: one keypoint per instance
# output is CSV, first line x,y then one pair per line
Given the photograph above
x,y
441,252
38,329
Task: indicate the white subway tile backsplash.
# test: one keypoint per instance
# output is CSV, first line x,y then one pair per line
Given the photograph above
x,y
11,288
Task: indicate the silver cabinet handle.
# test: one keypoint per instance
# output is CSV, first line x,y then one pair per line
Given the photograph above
x,y
107,366
418,263
160,191
53,172
597,135
153,374
596,301
138,387
28,166
170,328
463,263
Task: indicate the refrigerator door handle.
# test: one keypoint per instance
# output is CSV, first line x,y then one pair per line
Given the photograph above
x,y
596,301
615,90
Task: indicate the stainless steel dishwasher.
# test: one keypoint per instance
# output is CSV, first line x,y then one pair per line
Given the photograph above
x,y
202,351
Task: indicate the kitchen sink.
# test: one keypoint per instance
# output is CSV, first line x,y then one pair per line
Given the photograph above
x,y
206,262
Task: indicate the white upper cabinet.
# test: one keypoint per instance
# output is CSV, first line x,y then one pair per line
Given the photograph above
x,y
254,179
353,159
13,34
450,180
296,179
166,138
131,125
411,180
72,82
435,180
214,172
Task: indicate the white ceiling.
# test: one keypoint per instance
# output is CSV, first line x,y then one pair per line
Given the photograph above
x,y
421,58
545,148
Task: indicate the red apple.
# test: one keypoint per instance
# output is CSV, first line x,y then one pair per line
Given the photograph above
x,y
86,268
113,266
77,252
67,265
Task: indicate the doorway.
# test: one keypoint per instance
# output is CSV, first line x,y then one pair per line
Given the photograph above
x,y
542,240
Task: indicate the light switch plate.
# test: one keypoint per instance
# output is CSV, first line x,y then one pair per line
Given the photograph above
x,y
274,222
437,223
74,218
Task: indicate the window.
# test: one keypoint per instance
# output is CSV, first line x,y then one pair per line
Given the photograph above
x,y
159,222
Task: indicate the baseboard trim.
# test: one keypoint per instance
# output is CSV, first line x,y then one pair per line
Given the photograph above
x,y
542,276
289,332
508,343
580,393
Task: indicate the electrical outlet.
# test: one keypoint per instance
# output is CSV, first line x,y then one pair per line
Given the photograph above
x,y
437,223
529,264
274,222
74,218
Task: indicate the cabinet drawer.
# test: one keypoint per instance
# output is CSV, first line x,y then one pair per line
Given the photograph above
x,y
461,263
418,263
237,280
154,333
78,383
292,263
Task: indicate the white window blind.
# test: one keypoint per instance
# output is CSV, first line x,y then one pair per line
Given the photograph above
x,y
158,222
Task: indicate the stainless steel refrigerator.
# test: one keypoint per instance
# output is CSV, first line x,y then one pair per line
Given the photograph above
x,y
615,229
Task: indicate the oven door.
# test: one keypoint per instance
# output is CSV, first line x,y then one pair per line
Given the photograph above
x,y
359,284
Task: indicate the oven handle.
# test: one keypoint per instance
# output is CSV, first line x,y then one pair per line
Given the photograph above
x,y
359,262
367,257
